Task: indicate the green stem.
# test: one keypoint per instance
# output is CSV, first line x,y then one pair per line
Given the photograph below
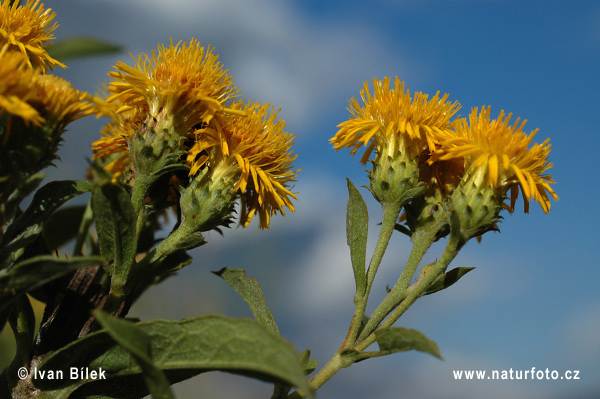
x,y
138,197
390,215
334,364
416,290
422,240
337,361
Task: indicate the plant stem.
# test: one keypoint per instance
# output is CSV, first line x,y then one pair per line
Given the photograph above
x,y
333,366
416,290
337,361
390,215
422,240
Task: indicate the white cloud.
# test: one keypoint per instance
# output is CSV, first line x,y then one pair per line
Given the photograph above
x,y
276,53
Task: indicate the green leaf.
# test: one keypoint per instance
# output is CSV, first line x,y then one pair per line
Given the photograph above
x,y
33,273
447,279
22,190
79,47
399,339
29,225
309,364
137,343
63,225
23,326
181,349
357,219
250,291
115,224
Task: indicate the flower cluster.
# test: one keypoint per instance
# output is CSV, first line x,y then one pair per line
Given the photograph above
x,y
35,107
400,129
27,29
426,161
179,108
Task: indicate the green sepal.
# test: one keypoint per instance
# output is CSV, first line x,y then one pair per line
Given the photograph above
x,y
357,220
137,343
27,227
182,349
251,293
447,279
399,339
33,273
79,47
115,224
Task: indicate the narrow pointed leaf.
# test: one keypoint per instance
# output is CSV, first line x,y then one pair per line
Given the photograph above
x,y
30,224
35,272
251,293
79,47
399,339
14,198
135,341
115,223
447,279
357,219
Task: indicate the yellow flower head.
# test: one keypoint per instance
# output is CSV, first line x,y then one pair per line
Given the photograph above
x,y
15,87
256,150
501,153
113,143
28,28
183,83
58,102
392,115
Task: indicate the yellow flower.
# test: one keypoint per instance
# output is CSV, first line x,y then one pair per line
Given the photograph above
x,y
58,102
255,153
45,101
391,114
400,128
113,143
33,130
501,156
173,93
15,87
184,84
27,28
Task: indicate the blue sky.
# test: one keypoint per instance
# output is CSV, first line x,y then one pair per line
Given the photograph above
x,y
533,300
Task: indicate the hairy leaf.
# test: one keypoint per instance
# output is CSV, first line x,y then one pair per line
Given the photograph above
x,y
357,219
30,224
35,272
181,349
250,291
135,341
447,279
78,47
399,339
115,223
